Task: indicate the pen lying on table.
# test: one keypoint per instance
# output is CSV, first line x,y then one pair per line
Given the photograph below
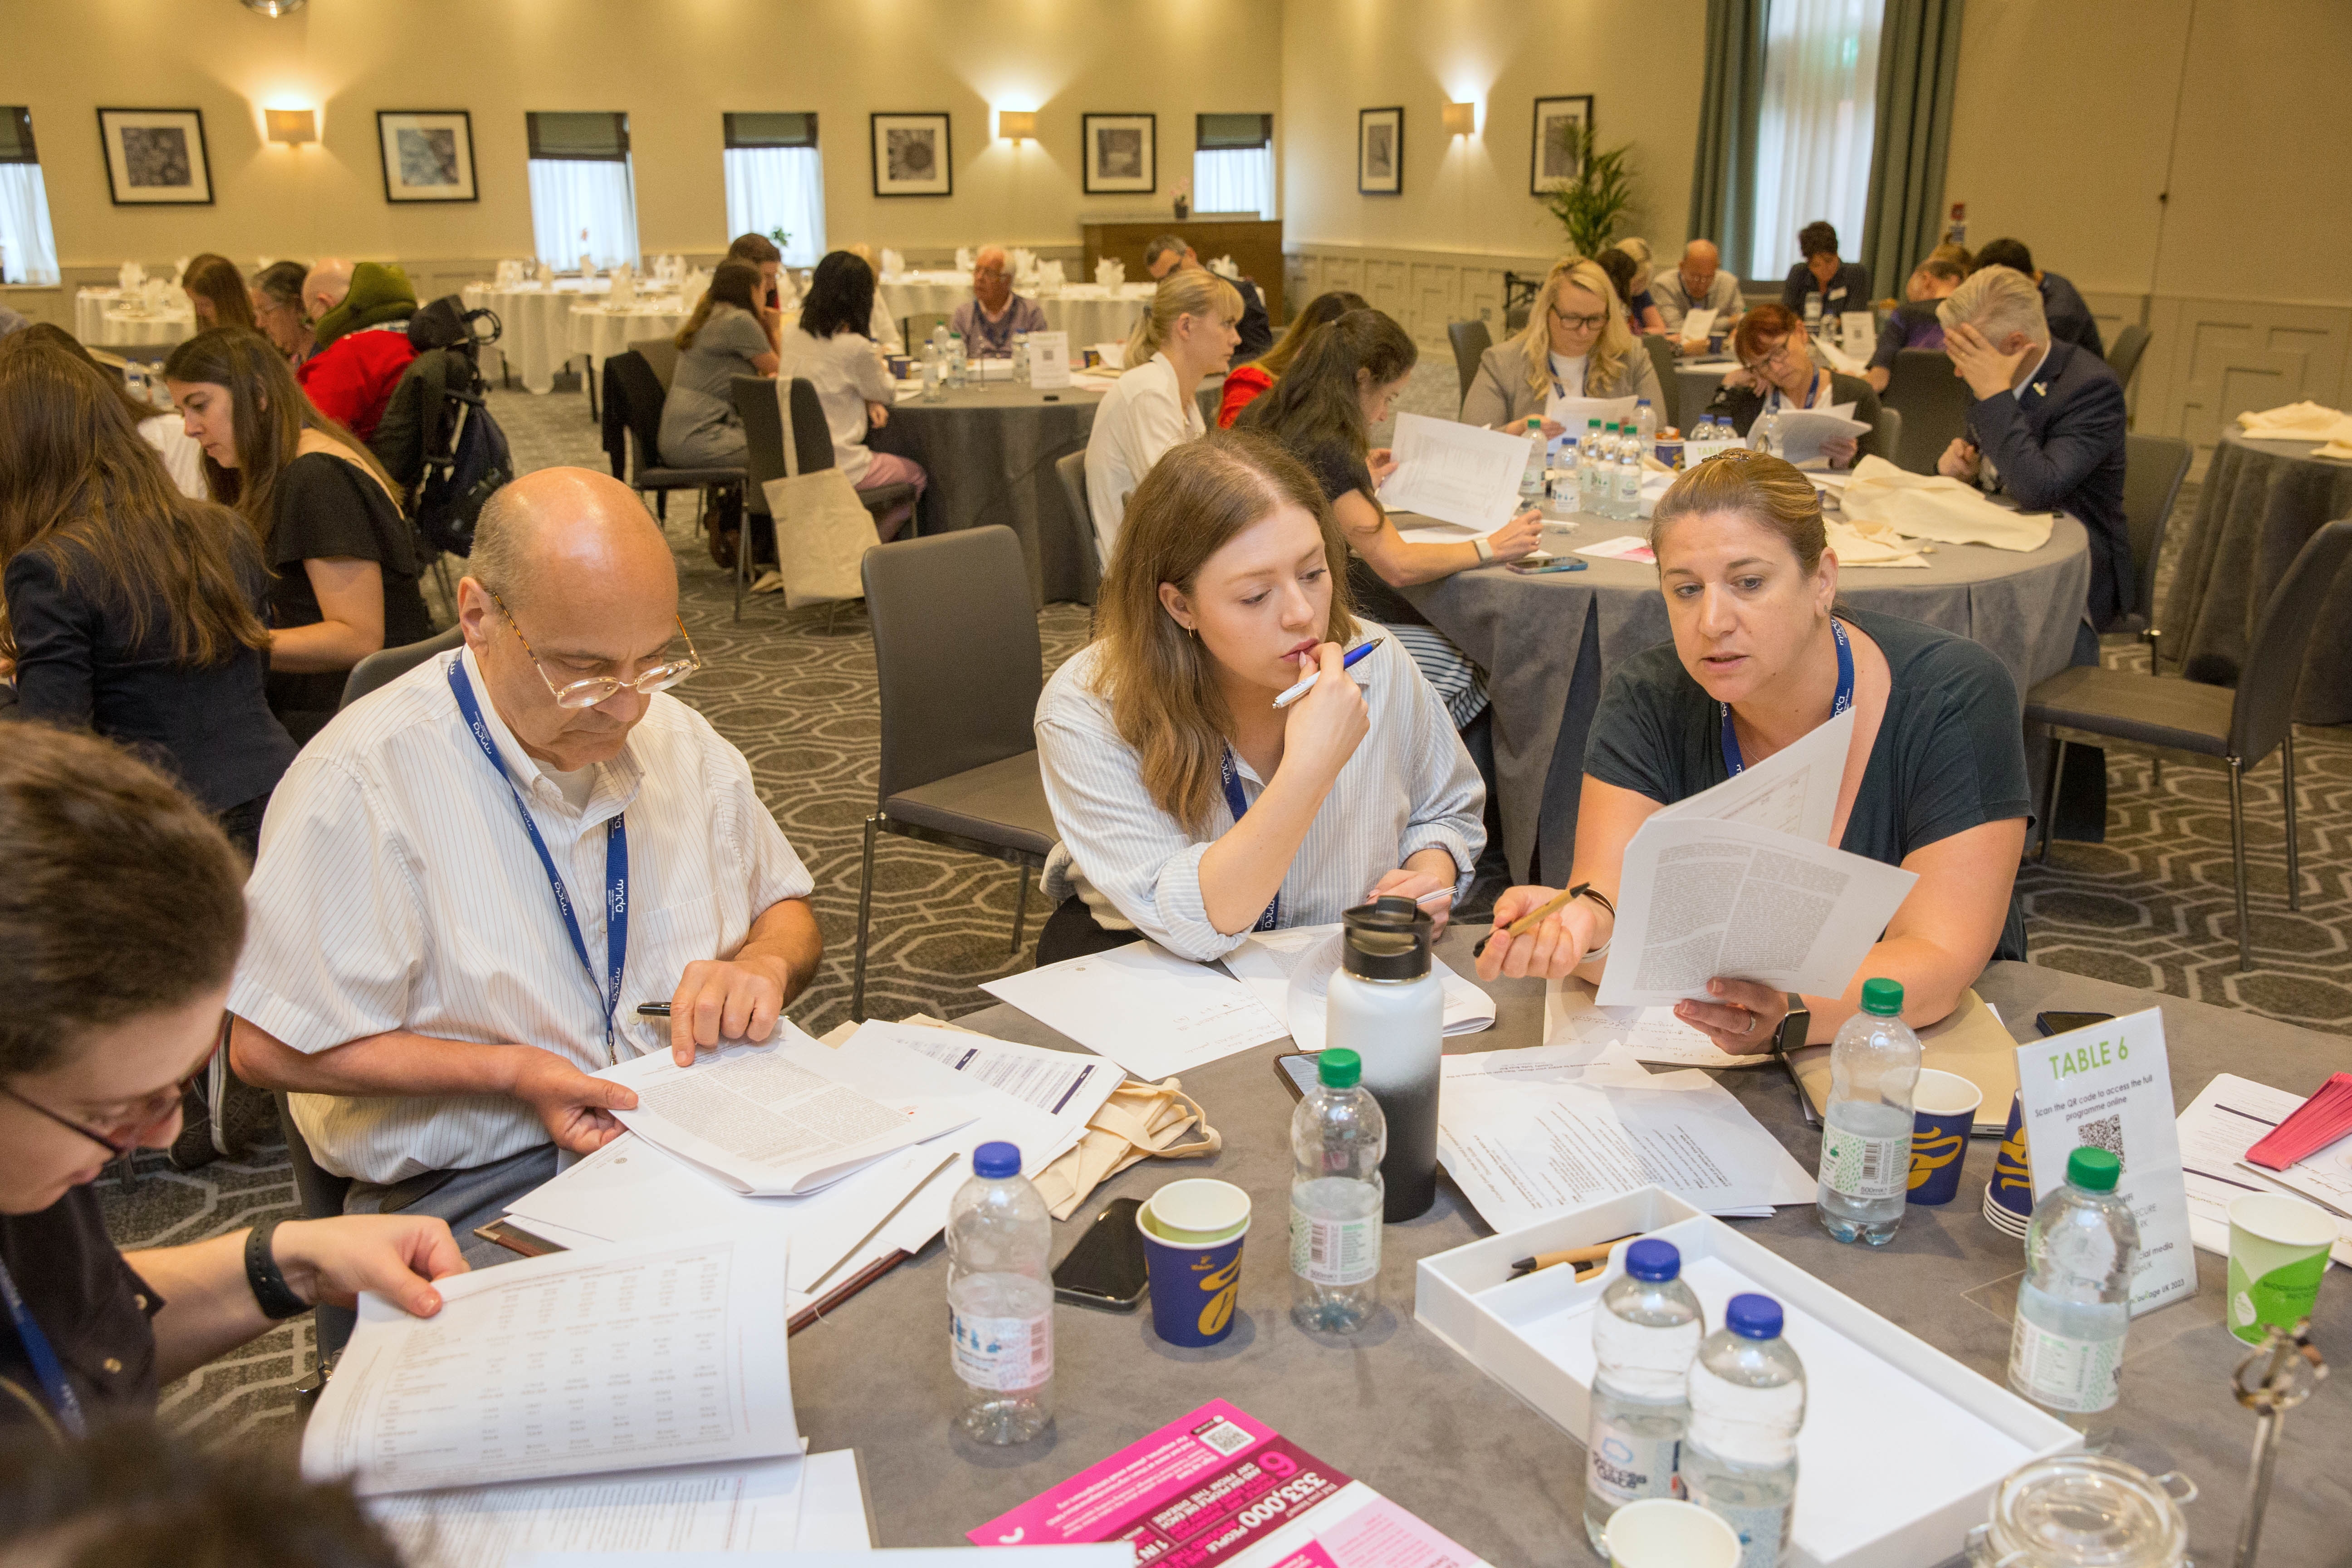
x,y
1306,683
1596,1256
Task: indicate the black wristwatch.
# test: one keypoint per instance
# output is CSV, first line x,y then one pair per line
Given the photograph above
x,y
276,1298
1795,1024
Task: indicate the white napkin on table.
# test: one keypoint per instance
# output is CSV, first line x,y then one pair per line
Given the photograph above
x,y
1049,276
893,263
963,258
1925,506
1871,544
1110,272
2298,422
1224,268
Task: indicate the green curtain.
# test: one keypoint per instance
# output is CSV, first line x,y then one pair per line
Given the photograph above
x,y
1723,174
1918,62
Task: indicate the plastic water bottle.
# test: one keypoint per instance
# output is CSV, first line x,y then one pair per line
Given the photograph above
x,y
1645,423
1000,1300
1746,1406
1336,1139
940,336
1021,358
1645,1335
1866,1129
957,369
1629,478
934,371
1568,481
1600,473
1531,477
1764,435
1595,454
2066,1349
1814,313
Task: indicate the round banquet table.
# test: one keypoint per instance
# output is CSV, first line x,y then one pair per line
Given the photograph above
x,y
598,332
2258,502
1548,642
535,325
1399,1408
101,321
1088,313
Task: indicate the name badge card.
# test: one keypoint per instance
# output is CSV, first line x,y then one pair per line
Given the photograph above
x,y
1049,359
2110,1087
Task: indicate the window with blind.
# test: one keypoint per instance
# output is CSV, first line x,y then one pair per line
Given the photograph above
x,y
1816,125
775,183
582,199
28,249
1232,163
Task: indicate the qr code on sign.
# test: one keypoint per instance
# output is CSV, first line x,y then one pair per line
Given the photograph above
x,y
2107,1132
1224,1436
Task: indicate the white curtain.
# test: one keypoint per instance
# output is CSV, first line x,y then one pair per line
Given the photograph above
x,y
26,245
769,188
1812,149
1234,180
571,198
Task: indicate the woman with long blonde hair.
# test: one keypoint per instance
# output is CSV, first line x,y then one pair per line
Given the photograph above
x,y
1191,329
1189,808
1576,344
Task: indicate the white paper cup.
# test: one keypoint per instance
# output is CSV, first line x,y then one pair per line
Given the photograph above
x,y
1664,1532
1196,1212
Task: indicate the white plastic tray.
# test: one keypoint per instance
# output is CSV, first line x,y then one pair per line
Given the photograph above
x,y
1901,1446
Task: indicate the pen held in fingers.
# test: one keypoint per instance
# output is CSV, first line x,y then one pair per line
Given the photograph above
x,y
1306,683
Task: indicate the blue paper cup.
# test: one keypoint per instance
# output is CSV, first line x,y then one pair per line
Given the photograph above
x,y
2010,1191
1943,1113
1195,1284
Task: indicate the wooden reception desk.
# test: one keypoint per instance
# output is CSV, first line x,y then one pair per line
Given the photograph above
x,y
1254,245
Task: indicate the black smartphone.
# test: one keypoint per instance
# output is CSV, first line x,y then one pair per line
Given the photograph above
x,y
1106,1268
1296,1072
2063,1022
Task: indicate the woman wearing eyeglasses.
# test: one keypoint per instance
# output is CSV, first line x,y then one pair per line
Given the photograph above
x,y
121,919
1576,344
1776,372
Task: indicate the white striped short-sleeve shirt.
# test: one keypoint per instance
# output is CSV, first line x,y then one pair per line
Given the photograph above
x,y
1410,785
396,889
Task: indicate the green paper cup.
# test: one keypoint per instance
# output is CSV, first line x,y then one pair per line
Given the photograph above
x,y
2278,1251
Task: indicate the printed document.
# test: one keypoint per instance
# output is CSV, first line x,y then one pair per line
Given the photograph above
x,y
1461,474
1793,791
1643,1034
692,1508
1291,971
1575,414
2227,1117
623,1357
1696,324
1068,1086
1049,359
1149,1010
1803,431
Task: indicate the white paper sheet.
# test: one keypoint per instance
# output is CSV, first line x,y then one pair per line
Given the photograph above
x,y
1624,547
683,1337
685,1511
1291,971
781,1119
833,1507
1696,324
1575,414
1457,473
2227,1117
1067,1086
1804,430
1793,791
1049,359
1645,1034
1149,1010
1700,899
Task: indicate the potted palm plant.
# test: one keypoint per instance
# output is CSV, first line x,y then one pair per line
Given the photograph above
x,y
1592,206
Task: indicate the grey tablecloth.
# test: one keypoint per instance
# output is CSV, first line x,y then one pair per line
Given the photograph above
x,y
1411,1417
2258,502
1546,643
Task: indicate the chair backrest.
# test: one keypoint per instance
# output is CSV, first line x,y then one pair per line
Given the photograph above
x,y
2154,467
2124,354
1071,470
385,666
1887,439
1934,403
1470,339
1670,382
320,1189
642,396
957,661
763,433
2266,682
917,326
661,353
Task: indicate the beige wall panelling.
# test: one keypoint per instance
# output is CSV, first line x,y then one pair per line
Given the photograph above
x,y
1424,288
2222,356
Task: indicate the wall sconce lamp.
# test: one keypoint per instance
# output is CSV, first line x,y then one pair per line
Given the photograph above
x,y
292,126
1460,118
1017,124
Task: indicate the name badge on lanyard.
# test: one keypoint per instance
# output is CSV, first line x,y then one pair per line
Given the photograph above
x,y
1239,804
616,868
1838,704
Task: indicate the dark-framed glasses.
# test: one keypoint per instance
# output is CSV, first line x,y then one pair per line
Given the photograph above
x,y
1578,323
122,1137
604,688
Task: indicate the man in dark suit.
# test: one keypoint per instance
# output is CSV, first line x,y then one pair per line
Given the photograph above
x,y
2070,319
1167,253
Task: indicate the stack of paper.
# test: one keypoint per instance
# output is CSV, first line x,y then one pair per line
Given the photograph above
x,y
1571,1018
1803,431
1930,506
1461,474
1291,971
2216,1131
2323,1120
1149,1010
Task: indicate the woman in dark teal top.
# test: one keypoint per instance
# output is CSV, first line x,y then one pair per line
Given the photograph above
x,y
1935,780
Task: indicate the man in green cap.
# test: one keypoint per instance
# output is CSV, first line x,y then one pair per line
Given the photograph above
x,y
363,343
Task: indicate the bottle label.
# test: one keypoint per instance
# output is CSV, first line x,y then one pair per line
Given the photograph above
x,y
1001,1354
1626,1467
2079,1377
1761,1530
1334,1251
1862,1167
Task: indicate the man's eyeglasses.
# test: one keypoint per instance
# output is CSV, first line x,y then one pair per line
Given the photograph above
x,y
604,688
130,1132
1578,323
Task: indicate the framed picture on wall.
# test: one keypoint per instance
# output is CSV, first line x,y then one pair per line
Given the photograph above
x,y
1379,151
157,157
1556,157
428,154
1122,152
914,155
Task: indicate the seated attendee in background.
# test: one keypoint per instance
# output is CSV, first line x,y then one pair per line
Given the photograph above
x,y
1699,283
120,918
216,291
1189,331
13,321
881,325
1245,383
2070,319
277,312
2046,429
830,350
363,348
1762,654
1340,385
433,1000
346,561
994,314
731,333
1633,281
1776,372
163,429
1913,323
775,290
1955,253
1190,809
324,286
1167,253
1576,344
1834,286
133,611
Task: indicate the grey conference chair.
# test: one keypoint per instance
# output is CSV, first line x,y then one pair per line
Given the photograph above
x,y
640,393
661,355
322,1192
2154,469
764,434
1661,347
1470,340
2241,727
958,666
1070,468
2124,354
385,666
1887,439
1934,404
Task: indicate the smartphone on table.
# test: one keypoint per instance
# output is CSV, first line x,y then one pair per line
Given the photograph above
x,y
2065,1023
1106,1268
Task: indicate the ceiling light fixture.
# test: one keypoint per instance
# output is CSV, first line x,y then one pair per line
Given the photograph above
x,y
274,9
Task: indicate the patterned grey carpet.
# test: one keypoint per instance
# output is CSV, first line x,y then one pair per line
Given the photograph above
x,y
2151,907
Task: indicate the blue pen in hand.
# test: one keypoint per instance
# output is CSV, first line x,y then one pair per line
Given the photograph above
x,y
1306,683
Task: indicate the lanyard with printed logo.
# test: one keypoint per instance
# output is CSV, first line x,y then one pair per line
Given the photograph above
x,y
1838,704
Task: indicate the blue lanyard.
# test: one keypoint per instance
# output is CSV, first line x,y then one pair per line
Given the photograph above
x,y
616,867
61,1396
1239,804
1838,704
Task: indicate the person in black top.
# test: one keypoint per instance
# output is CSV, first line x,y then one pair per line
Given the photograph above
x,y
1776,372
1935,777
1840,286
2062,305
1166,252
120,918
131,609
346,561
